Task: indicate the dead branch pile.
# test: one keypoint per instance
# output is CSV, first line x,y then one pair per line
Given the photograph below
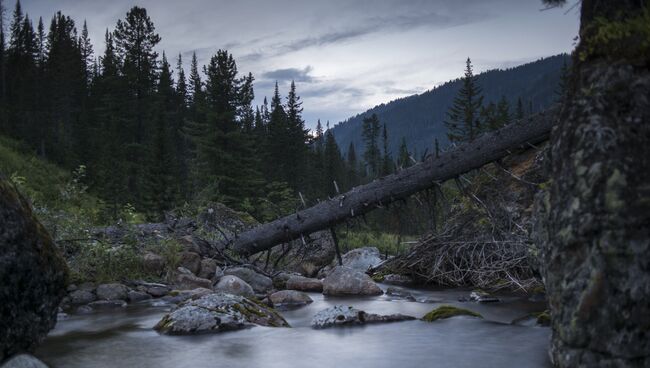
x,y
485,238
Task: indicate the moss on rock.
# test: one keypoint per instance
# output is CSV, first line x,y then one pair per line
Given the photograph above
x,y
447,311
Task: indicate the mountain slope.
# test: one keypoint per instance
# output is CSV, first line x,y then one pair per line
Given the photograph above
x,y
419,118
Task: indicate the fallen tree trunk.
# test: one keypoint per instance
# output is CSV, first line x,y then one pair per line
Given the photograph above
x,y
362,199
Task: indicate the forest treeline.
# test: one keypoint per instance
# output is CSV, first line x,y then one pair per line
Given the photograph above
x,y
152,138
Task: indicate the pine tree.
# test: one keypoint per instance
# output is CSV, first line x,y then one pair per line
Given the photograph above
x,y
404,157
386,162
86,49
297,141
503,112
181,83
195,84
519,114
463,118
352,164
371,154
333,164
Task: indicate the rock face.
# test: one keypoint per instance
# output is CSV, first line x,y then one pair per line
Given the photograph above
x,y
304,284
218,312
289,298
362,258
260,283
347,281
112,292
184,279
32,275
593,220
340,315
234,285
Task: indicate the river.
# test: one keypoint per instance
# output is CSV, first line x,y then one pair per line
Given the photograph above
x,y
125,338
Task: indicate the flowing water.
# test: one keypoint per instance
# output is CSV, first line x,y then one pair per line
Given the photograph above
x,y
126,338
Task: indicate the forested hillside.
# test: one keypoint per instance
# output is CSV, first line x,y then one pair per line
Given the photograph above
x,y
418,119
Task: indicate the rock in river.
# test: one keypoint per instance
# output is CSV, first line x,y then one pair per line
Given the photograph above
x,y
260,283
33,275
340,315
112,292
234,285
347,281
289,298
304,284
218,312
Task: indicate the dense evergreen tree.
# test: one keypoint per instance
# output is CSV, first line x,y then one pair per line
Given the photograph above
x,y
463,118
372,155
403,157
386,160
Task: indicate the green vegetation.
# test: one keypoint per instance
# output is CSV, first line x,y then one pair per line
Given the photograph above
x,y
447,311
629,38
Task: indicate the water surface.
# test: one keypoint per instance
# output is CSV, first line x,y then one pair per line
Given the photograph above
x,y
126,339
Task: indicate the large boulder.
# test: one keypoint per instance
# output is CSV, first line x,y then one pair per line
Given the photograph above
x,y
153,263
260,283
33,275
348,281
340,315
234,285
112,291
304,284
184,279
289,298
362,258
191,261
208,268
218,312
23,361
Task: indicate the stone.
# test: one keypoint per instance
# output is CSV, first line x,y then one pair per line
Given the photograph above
x,y
340,315
362,258
179,296
280,279
208,268
107,304
307,259
218,312
188,244
482,297
289,298
304,284
33,275
448,311
79,297
394,279
113,291
400,294
234,285
190,261
184,279
153,263
347,281
88,286
23,361
260,283
154,289
137,296
84,309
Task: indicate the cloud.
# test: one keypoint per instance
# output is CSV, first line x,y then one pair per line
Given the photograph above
x,y
294,74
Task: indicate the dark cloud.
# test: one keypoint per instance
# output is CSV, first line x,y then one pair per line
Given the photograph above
x,y
288,74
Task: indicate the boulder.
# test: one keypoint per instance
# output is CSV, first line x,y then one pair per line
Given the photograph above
x,y
179,296
23,361
304,284
136,296
400,294
184,279
448,311
289,298
33,275
340,315
348,281
480,296
113,291
154,289
208,268
79,297
394,279
191,261
234,285
309,258
260,283
362,258
218,312
153,263
280,280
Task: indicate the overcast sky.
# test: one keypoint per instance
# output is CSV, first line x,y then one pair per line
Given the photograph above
x,y
345,55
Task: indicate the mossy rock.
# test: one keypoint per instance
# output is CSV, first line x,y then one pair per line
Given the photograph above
x,y
543,318
448,311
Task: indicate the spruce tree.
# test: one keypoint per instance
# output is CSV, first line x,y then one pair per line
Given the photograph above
x,y
352,167
404,157
463,118
333,164
371,154
386,162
